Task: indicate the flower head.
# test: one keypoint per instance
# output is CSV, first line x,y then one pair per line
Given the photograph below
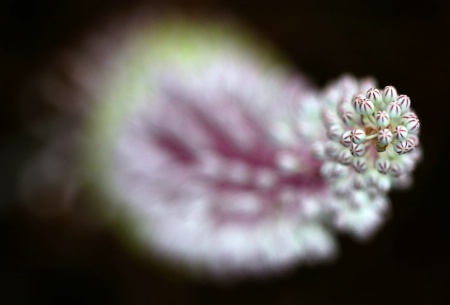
x,y
193,143
382,139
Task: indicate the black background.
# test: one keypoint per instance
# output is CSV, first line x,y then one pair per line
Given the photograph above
x,y
57,261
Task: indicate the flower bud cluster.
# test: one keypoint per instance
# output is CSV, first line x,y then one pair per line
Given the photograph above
x,y
372,137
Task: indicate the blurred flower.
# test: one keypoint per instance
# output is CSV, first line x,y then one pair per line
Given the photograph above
x,y
205,151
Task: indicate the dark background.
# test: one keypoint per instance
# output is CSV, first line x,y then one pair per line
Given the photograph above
x,y
57,261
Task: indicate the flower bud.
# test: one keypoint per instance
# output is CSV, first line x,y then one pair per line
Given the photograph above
x,y
357,150
366,107
402,147
409,115
356,102
383,166
411,142
384,137
414,138
396,170
345,157
400,132
404,101
327,169
347,118
412,124
332,149
334,132
359,164
389,94
346,138
333,170
357,136
382,118
339,170
394,110
375,96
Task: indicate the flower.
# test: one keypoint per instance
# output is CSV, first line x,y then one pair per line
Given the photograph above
x,y
207,152
201,163
381,132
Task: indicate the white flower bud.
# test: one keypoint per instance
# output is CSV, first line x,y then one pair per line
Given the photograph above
x,y
334,132
344,157
356,102
347,118
412,124
333,170
332,149
383,166
409,115
357,136
375,96
359,164
394,110
400,132
357,150
384,137
402,147
346,138
382,118
366,107
404,101
327,169
396,170
414,139
411,142
389,94
339,170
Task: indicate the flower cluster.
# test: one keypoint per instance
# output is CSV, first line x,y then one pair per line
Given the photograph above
x,y
372,136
